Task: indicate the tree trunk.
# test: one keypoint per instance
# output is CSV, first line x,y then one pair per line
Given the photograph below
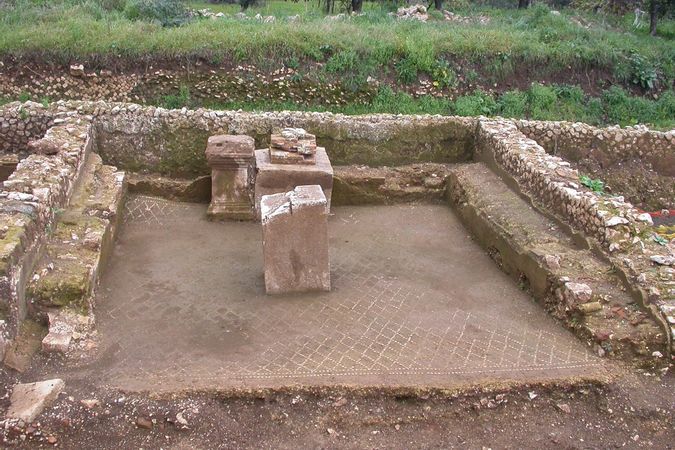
x,y
438,4
653,10
357,5
522,4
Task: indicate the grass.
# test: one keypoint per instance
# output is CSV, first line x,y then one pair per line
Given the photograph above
x,y
374,44
68,29
563,103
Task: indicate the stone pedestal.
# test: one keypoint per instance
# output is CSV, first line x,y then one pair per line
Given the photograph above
x,y
231,160
276,178
295,241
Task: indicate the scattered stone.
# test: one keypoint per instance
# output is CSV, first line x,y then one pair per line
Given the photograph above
x,y
180,419
616,220
143,422
414,12
61,328
552,261
663,260
30,399
576,293
564,407
77,70
52,440
90,403
590,307
293,146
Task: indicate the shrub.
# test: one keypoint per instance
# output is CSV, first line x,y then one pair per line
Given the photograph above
x,y
477,104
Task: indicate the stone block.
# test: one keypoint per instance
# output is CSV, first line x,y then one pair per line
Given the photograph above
x,y
231,160
295,241
30,399
279,178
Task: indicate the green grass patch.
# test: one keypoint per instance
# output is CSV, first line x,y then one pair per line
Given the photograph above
x,y
75,29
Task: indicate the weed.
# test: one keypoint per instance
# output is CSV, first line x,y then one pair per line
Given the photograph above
x,y
644,73
177,101
596,186
443,75
477,104
406,71
342,61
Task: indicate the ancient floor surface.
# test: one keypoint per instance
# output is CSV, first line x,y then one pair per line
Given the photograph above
x,y
414,303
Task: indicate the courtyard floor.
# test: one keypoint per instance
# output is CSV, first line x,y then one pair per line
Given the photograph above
x,y
414,302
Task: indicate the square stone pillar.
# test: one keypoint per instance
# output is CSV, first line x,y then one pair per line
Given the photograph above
x,y
231,160
295,241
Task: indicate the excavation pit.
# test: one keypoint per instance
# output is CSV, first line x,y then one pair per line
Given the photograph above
x,y
417,300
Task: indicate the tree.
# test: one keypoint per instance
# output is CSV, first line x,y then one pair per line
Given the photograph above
x,y
357,6
522,4
245,4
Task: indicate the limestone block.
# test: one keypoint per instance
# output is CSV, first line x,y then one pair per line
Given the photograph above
x,y
278,178
295,241
30,399
230,158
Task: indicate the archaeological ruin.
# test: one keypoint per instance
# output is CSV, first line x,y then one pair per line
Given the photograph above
x,y
451,248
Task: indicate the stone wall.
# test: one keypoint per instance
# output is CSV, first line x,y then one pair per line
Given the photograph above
x,y
20,123
40,186
634,161
172,142
621,231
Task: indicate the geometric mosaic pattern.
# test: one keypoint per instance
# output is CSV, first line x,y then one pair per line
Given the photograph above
x,y
412,305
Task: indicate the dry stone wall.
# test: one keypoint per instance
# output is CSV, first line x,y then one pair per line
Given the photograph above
x,y
577,141
21,123
39,187
622,231
634,161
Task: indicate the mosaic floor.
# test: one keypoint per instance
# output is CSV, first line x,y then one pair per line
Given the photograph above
x,y
414,302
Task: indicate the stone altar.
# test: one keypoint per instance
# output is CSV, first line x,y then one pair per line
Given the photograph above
x,y
230,158
295,241
293,159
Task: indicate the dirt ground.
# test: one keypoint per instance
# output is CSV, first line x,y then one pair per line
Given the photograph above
x,y
634,412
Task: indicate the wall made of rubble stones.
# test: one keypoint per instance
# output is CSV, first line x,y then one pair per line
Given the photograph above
x,y
608,146
620,229
41,185
636,162
21,123
172,142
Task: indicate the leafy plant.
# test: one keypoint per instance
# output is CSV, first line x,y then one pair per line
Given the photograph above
x,y
179,100
406,71
644,73
443,75
596,186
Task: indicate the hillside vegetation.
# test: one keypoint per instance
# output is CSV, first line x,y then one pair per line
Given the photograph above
x,y
524,63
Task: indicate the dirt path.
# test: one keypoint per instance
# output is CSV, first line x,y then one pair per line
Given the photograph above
x,y
635,412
